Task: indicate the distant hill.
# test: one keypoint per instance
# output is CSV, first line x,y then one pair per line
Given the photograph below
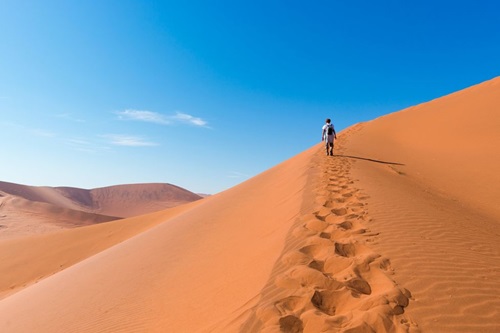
x,y
27,210
119,200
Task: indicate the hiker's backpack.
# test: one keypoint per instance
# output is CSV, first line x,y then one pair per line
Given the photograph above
x,y
330,129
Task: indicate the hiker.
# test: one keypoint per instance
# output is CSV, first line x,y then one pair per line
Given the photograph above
x,y
327,135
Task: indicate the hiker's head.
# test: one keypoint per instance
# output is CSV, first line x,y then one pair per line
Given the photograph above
x,y
328,120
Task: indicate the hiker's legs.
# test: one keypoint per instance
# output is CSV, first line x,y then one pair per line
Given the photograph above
x,y
329,145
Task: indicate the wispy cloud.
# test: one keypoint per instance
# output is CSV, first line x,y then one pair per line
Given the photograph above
x,y
236,174
186,118
158,118
86,145
147,116
128,140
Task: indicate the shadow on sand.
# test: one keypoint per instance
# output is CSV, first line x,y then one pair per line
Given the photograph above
x,y
369,159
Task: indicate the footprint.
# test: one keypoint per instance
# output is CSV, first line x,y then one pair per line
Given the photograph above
x,y
330,204
359,285
322,214
345,250
345,225
316,250
339,211
317,265
326,301
291,324
385,264
325,235
316,225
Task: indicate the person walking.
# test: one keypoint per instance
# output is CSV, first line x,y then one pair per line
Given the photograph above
x,y
327,135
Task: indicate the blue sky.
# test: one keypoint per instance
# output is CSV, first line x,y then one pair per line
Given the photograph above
x,y
206,94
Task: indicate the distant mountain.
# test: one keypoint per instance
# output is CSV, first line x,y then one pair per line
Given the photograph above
x,y
119,200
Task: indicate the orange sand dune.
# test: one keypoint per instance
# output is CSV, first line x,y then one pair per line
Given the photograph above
x,y
436,205
28,210
119,200
383,237
285,250
24,261
20,217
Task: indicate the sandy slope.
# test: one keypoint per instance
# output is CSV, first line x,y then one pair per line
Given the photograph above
x,y
435,205
285,250
24,261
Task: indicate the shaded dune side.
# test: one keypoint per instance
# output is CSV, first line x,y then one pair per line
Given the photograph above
x,y
208,263
20,217
327,278
25,261
136,199
39,194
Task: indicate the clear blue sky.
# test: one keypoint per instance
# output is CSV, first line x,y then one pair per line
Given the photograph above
x,y
206,94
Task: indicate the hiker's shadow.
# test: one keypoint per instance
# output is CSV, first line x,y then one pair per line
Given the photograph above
x,y
369,159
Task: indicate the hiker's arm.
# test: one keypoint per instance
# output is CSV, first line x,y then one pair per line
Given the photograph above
x,y
323,135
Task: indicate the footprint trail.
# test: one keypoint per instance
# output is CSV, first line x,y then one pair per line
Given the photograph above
x,y
327,278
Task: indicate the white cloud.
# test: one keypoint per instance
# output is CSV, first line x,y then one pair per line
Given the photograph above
x,y
158,118
186,118
128,140
147,116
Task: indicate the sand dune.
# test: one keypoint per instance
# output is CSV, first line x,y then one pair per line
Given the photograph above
x,y
27,210
435,205
386,236
119,200
132,199
225,261
20,217
27,260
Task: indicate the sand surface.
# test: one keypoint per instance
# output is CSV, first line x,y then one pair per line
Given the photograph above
x,y
386,236
262,256
433,176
